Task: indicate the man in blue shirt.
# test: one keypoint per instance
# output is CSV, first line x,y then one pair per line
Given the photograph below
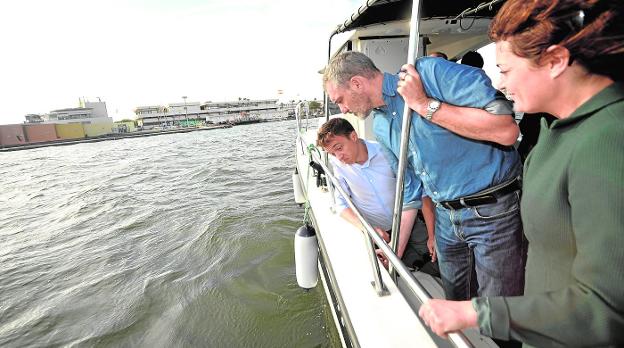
x,y
365,175
459,154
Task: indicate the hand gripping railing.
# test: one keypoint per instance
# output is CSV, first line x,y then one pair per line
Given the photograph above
x,y
457,338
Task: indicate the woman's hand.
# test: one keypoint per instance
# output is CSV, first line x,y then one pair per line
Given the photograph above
x,y
444,316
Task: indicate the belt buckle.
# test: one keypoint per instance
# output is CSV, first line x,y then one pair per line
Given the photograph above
x,y
454,205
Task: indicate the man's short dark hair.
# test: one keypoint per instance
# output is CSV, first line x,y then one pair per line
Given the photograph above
x,y
472,58
333,127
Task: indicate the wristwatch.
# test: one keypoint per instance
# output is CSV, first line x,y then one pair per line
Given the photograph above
x,y
432,107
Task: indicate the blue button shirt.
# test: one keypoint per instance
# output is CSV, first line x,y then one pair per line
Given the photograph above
x,y
441,163
370,186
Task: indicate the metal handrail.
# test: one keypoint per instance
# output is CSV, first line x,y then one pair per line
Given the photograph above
x,y
422,295
300,105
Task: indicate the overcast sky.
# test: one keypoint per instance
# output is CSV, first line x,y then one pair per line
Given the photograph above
x,y
152,52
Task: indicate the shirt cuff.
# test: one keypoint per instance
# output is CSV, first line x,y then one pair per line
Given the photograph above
x,y
417,204
340,206
499,106
492,316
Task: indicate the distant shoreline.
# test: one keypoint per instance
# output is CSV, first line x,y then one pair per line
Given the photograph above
x,y
112,136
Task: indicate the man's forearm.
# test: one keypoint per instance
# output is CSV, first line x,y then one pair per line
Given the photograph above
x,y
429,215
408,217
468,122
475,123
350,216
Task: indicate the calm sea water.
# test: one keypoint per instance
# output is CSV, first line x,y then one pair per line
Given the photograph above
x,y
180,240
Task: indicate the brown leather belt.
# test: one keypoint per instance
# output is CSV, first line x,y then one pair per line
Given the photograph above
x,y
486,196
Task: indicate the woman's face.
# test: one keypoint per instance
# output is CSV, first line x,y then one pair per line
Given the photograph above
x,y
528,85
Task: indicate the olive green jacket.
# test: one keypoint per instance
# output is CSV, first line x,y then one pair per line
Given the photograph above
x,y
573,216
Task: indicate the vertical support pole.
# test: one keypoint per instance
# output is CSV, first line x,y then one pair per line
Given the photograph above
x,y
412,53
330,185
377,282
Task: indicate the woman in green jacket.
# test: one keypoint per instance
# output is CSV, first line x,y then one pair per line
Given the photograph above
x,y
563,57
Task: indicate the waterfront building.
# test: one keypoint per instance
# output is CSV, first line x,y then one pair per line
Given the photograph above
x,y
12,134
173,114
124,126
194,113
246,111
88,120
87,113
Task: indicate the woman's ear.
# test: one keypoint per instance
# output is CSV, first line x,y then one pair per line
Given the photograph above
x,y
557,59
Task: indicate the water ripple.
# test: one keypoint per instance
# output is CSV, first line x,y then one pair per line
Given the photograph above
x,y
176,240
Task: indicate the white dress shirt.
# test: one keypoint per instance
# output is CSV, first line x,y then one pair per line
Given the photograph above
x,y
370,186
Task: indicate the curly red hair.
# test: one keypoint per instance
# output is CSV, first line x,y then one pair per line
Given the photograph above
x,y
591,30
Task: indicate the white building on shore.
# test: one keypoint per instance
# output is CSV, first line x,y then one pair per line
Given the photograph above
x,y
171,114
90,112
245,110
195,113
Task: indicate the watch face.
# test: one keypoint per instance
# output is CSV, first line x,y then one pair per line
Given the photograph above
x,y
433,105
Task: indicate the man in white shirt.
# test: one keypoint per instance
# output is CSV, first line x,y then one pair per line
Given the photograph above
x,y
364,173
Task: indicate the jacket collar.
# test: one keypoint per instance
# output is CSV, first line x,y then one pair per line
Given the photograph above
x,y
611,94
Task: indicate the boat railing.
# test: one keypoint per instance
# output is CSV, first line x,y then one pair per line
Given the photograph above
x,y
422,295
304,106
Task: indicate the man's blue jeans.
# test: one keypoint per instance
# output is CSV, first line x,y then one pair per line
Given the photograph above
x,y
481,250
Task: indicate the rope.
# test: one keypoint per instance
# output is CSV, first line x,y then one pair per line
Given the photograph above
x,y
469,26
306,211
312,147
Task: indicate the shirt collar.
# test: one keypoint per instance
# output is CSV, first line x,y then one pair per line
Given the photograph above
x,y
389,84
372,149
388,89
611,94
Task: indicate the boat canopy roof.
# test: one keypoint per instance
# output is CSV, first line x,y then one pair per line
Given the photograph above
x,y
378,11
